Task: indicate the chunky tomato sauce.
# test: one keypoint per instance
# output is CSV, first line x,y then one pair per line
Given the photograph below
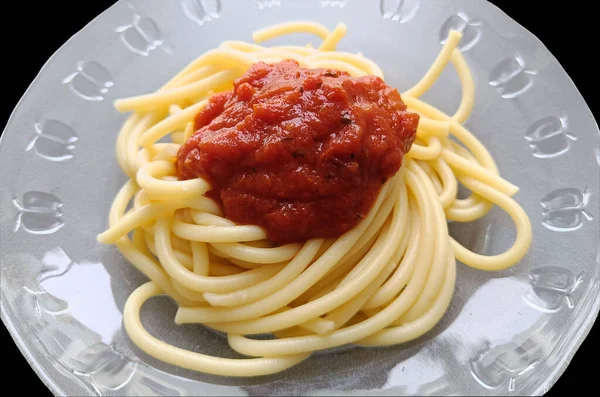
x,y
300,152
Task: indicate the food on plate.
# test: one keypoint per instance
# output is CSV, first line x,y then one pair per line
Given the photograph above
x,y
290,191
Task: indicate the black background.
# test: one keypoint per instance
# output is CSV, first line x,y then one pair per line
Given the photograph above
x,y
41,27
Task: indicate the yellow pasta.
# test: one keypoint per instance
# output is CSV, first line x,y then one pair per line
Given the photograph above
x,y
388,280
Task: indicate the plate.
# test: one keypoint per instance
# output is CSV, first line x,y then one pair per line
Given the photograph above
x,y
508,332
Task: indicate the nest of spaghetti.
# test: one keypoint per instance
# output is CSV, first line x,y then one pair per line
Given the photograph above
x,y
387,280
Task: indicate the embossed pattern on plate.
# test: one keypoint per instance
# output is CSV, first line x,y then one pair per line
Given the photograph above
x,y
53,140
550,137
38,213
566,209
511,77
398,10
470,30
506,333
202,11
143,35
91,80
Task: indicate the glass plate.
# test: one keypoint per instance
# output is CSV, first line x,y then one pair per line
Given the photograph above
x,y
506,332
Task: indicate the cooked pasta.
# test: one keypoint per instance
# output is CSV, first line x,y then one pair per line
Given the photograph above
x,y
386,281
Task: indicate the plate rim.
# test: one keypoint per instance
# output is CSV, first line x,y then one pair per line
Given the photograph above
x,y
563,362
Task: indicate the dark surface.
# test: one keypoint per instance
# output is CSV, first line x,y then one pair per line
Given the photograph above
x,y
42,27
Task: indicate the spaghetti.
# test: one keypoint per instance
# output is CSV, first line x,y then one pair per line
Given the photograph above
x,y
386,281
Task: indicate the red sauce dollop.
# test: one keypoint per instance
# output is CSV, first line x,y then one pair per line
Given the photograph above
x,y
300,152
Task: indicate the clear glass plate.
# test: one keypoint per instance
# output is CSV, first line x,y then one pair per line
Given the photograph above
x,y
506,332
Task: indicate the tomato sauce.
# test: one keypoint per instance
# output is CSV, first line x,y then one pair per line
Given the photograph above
x,y
300,152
